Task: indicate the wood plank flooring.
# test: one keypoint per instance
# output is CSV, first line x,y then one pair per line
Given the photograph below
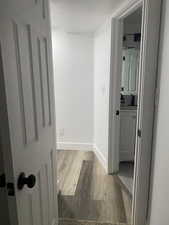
x,y
87,192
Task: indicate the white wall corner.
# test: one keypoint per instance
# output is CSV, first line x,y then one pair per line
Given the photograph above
x,y
75,146
101,158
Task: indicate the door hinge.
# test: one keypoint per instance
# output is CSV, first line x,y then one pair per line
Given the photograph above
x,y
2,180
139,133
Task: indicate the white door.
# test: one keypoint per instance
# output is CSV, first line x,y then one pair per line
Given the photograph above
x,y
28,124
114,101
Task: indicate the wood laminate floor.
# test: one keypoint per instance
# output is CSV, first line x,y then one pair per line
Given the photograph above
x,y
87,192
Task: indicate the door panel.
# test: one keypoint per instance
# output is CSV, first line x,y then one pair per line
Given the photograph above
x,y
25,42
26,85
37,206
45,81
127,135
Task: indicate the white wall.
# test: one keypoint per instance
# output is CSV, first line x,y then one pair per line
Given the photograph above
x,y
101,89
159,214
82,73
73,72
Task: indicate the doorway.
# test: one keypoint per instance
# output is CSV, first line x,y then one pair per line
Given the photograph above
x,y
129,96
86,192
142,100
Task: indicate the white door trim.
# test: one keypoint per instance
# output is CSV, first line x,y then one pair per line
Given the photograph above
x,y
147,82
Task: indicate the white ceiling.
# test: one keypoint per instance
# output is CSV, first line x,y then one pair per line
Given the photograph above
x,y
81,15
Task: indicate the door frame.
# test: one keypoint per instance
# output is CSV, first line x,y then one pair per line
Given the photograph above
x,y
151,15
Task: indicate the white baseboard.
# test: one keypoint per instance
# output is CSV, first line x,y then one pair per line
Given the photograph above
x,y
75,146
101,158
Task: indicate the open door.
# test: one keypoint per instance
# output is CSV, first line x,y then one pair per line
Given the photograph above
x,y
27,112
114,101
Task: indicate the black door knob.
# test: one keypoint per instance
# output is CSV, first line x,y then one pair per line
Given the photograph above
x,y
30,181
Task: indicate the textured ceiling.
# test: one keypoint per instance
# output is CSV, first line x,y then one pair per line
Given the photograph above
x,y
81,15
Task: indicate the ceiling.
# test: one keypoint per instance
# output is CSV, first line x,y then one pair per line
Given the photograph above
x,y
81,15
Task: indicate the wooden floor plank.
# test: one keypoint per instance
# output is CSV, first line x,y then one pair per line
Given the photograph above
x,y
98,179
65,162
84,183
69,167
127,205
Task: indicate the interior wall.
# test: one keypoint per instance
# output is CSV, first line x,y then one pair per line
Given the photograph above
x,y
74,90
160,184
102,45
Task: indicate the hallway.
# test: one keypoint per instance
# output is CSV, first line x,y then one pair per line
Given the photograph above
x,y
87,193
